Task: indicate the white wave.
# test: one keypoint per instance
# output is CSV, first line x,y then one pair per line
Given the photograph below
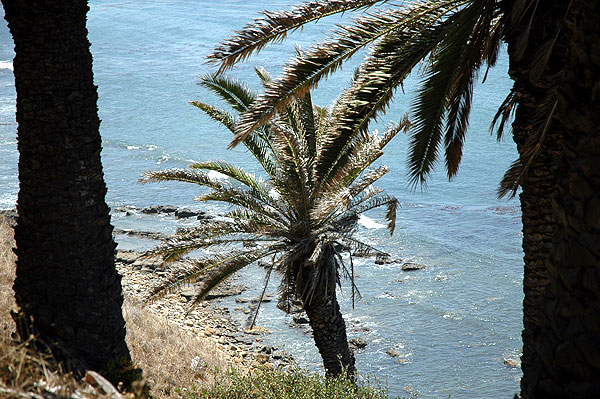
x,y
213,174
133,147
6,65
369,223
152,147
163,159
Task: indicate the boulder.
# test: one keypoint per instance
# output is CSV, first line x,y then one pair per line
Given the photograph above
x,y
159,209
357,342
387,261
183,213
411,266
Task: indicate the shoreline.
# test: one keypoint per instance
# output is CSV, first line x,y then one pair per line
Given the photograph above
x,y
208,320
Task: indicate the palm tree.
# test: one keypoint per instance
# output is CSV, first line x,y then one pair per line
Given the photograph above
x,y
302,217
454,40
67,288
571,313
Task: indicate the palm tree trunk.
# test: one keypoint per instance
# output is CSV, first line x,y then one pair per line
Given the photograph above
x,y
67,288
329,331
539,186
570,346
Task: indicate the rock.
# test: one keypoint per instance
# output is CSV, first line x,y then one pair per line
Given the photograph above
x,y
185,213
300,319
151,235
357,342
203,216
208,331
159,209
267,349
147,262
126,257
222,292
257,330
411,266
513,363
262,358
269,366
393,353
188,293
387,261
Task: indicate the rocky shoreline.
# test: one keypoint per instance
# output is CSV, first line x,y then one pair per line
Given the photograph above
x,y
208,320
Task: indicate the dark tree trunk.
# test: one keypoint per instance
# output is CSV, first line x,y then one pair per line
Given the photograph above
x,y
324,316
329,332
66,280
535,103
570,345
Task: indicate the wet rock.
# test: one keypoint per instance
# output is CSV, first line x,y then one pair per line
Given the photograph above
x,y
151,235
159,209
300,319
393,353
186,213
387,261
357,342
513,363
411,266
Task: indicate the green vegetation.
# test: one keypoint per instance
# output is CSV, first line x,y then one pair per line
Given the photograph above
x,y
301,219
263,383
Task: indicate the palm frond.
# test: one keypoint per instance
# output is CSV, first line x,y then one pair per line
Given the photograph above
x,y
504,113
183,175
367,179
357,156
438,93
256,142
238,96
518,170
216,114
305,71
224,270
246,200
384,70
275,25
481,40
263,74
262,296
258,189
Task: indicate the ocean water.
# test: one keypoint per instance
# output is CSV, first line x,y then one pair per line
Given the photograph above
x,y
453,323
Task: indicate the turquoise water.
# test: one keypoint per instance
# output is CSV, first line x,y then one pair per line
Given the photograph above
x,y
453,323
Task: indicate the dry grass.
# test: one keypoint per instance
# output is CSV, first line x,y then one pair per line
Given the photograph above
x,y
7,276
170,356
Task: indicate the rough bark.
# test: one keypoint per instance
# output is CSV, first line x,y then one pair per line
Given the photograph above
x,y
329,332
324,316
67,288
535,102
570,348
